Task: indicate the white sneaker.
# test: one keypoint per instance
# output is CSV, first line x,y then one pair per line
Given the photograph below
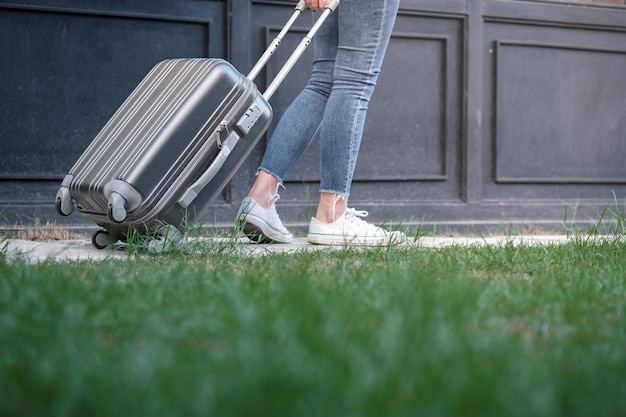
x,y
349,229
261,225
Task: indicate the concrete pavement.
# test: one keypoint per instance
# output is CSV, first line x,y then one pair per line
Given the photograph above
x,y
78,249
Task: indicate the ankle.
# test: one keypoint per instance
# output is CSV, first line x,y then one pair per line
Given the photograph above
x,y
331,207
263,201
264,191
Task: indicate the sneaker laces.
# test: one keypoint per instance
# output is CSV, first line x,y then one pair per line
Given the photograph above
x,y
274,197
355,218
356,214
272,200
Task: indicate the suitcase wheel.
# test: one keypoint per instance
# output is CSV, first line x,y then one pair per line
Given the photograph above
x,y
64,204
103,238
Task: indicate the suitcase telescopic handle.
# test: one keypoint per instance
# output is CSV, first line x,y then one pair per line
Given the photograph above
x,y
229,144
331,5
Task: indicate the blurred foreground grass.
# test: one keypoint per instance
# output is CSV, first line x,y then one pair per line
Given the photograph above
x,y
512,330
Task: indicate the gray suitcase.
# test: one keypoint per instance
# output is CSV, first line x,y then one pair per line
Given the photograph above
x,y
173,145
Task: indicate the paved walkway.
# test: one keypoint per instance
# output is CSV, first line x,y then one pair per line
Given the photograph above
x,y
72,250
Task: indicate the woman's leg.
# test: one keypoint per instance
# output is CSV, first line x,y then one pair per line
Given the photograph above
x,y
301,121
364,30
365,27
257,216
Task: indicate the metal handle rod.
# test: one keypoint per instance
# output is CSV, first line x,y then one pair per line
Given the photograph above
x,y
297,53
300,8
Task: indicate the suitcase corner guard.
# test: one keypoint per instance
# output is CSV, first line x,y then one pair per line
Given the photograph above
x,y
64,203
122,198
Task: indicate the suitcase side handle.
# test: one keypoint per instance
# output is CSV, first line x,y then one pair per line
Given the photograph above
x,y
243,127
192,192
331,5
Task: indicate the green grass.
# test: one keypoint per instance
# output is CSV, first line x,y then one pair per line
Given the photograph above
x,y
515,330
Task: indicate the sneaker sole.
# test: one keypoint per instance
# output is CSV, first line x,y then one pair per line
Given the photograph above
x,y
256,234
334,240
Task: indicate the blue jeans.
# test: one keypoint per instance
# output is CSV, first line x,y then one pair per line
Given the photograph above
x,y
348,53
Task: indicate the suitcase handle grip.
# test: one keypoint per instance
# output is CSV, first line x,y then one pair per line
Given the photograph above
x,y
192,192
331,5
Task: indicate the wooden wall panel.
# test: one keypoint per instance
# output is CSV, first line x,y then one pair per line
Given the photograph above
x,y
487,114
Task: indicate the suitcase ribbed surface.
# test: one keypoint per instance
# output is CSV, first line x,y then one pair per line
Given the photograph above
x,y
159,137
